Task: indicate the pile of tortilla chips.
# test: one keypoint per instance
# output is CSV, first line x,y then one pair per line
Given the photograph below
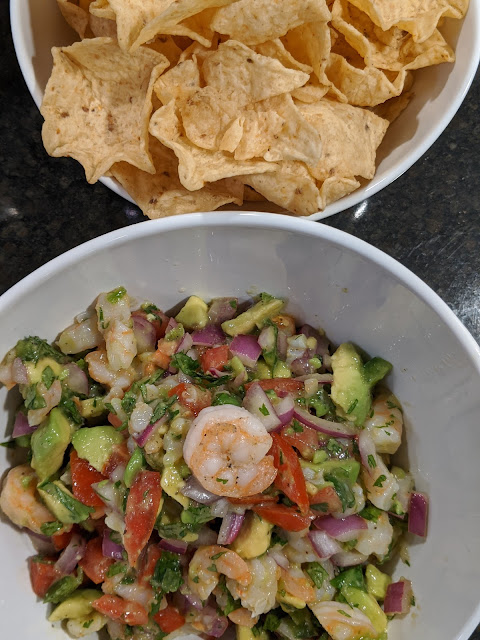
x,y
194,104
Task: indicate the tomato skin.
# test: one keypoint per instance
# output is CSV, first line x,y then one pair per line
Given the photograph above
x,y
305,441
192,396
289,385
120,455
142,508
169,619
214,358
289,478
131,613
114,420
42,575
60,540
258,498
329,497
94,563
286,517
83,476
151,558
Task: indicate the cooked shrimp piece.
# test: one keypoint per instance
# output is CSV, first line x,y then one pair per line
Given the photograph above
x,y
385,425
19,500
243,617
343,622
116,325
376,538
297,585
52,397
80,336
380,484
259,595
226,448
209,562
100,370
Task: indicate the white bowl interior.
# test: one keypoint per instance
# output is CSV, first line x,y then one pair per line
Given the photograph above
x,y
439,90
332,280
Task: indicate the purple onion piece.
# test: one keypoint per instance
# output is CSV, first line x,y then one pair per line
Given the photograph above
x,y
222,309
172,324
77,379
176,546
111,549
246,348
398,598
144,332
258,404
21,426
284,409
19,372
230,527
334,429
194,490
418,514
142,437
210,336
323,545
342,529
71,555
216,624
185,343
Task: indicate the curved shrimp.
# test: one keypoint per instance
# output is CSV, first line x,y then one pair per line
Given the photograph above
x,y
380,484
259,595
80,336
52,397
209,562
116,325
385,425
100,370
226,447
376,538
343,622
19,500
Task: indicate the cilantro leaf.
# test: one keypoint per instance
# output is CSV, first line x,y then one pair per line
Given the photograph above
x,y
317,573
33,348
190,367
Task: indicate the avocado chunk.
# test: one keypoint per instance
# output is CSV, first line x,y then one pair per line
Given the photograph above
x,y
283,597
366,603
194,313
244,633
95,444
265,308
353,382
92,407
61,502
77,606
35,369
253,538
49,443
377,582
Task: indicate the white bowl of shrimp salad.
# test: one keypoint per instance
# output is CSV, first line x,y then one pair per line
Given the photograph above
x,y
235,424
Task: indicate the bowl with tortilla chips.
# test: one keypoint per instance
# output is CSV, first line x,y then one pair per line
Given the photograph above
x,y
305,106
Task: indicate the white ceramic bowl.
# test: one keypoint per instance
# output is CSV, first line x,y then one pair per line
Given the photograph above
x,y
439,91
330,279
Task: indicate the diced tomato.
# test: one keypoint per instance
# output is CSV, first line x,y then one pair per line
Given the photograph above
x,y
286,517
120,456
258,498
169,619
289,385
214,358
83,476
114,420
117,608
94,563
142,508
42,574
289,478
192,396
151,557
328,498
306,441
60,540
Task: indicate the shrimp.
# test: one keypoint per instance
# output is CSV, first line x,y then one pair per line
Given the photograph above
x,y
376,538
209,562
259,595
380,484
81,627
19,500
385,425
343,622
100,370
80,336
226,449
52,397
297,585
116,325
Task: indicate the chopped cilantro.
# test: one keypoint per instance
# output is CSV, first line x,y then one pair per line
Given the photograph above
x,y
222,480
266,297
167,577
297,427
352,406
49,528
48,377
87,624
64,587
196,515
67,404
379,481
352,577
321,506
392,405
371,513
217,555
129,401
344,613
116,294
233,303
102,320
272,621
110,407
115,569
226,398
33,348
190,367
212,567
340,479
32,399
263,409
317,573
371,461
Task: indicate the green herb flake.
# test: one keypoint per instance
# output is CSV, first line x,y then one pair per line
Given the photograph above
x,y
167,577
116,294
87,624
352,406
233,303
226,398
33,349
61,589
344,613
371,513
196,579
50,528
371,461
115,569
213,568
317,573
222,480
379,481
190,367
263,410
297,427
321,506
48,377
217,555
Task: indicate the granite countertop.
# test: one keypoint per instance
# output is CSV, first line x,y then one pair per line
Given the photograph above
x,y
428,219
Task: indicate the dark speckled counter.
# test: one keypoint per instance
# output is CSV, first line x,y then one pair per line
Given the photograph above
x,y
428,219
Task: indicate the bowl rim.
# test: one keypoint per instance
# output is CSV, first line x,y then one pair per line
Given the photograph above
x,y
373,186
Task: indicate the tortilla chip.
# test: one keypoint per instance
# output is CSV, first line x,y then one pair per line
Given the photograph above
x,y
313,91
167,47
247,77
102,27
336,187
198,166
256,21
250,195
102,9
391,109
418,17
74,15
97,104
350,137
276,49
178,83
162,194
290,186
394,49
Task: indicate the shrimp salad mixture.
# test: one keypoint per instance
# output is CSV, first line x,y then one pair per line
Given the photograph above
x,y
219,472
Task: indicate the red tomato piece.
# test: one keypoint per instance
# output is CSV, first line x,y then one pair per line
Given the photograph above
x,y
120,456
42,575
306,441
286,517
114,420
60,540
83,476
329,498
117,608
258,498
214,358
151,557
192,397
169,619
142,508
289,478
94,563
289,385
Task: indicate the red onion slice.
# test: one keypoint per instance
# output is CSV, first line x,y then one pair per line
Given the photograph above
x,y
230,528
111,549
282,344
71,555
144,332
418,514
77,379
322,341
342,529
266,339
284,409
19,372
142,437
216,624
210,336
333,429
323,545
258,404
368,453
194,490
222,309
246,348
280,559
21,426
175,546
321,378
186,343
398,598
